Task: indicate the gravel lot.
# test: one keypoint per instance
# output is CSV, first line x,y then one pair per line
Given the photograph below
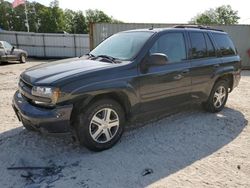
x,y
190,149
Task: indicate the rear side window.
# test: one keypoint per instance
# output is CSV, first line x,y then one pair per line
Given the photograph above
x,y
210,47
225,44
172,45
199,49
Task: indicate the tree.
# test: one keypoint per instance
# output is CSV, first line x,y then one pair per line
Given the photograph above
x,y
80,25
97,16
69,23
6,15
50,19
221,15
75,22
56,15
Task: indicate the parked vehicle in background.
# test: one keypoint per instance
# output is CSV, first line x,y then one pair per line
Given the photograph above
x,y
129,75
10,53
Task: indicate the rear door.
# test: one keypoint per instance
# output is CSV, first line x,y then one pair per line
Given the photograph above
x,y
166,86
204,62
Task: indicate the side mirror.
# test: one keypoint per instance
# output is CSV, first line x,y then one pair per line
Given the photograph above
x,y
13,48
157,59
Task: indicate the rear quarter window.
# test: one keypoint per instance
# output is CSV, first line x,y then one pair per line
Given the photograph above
x,y
225,44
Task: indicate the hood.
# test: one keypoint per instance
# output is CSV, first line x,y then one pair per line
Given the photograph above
x,y
47,73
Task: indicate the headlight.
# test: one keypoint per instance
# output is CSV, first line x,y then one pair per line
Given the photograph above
x,y
46,92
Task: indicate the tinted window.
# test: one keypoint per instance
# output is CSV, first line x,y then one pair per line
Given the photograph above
x,y
210,47
199,49
225,44
172,45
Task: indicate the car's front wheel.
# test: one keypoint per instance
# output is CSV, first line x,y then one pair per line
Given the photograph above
x,y
22,58
101,125
218,97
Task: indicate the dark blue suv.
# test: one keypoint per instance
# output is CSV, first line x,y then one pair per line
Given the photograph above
x,y
131,74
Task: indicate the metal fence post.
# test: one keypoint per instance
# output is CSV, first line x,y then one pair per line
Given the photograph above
x,y
91,36
75,45
17,44
44,46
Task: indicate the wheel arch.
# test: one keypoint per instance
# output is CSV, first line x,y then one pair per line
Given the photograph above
x,y
228,77
118,96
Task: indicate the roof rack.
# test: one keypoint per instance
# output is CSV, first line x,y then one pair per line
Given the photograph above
x,y
197,27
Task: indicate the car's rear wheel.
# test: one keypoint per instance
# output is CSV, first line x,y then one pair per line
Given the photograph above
x,y
22,58
101,125
218,97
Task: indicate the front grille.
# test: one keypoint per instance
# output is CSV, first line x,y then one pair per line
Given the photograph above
x,y
25,89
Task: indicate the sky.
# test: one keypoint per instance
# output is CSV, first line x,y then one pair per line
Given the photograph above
x,y
154,11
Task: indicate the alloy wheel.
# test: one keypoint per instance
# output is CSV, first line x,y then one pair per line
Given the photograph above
x,y
219,96
104,125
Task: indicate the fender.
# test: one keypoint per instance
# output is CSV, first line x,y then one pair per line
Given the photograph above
x,y
219,72
222,71
121,87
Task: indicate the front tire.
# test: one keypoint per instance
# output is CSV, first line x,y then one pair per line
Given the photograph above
x,y
218,97
101,125
22,58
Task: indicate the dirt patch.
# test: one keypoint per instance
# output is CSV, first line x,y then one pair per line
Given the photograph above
x,y
189,149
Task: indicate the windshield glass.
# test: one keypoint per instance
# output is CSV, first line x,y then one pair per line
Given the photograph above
x,y
122,46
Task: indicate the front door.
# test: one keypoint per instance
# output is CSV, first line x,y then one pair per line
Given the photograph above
x,y
9,51
169,85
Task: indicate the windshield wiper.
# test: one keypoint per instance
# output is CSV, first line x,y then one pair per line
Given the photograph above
x,y
112,59
90,55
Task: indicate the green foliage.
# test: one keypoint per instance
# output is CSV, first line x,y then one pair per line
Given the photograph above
x,y
50,19
221,15
97,16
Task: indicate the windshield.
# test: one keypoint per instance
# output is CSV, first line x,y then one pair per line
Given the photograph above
x,y
122,46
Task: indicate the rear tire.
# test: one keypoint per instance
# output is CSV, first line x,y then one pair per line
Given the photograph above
x,y
101,125
218,97
22,58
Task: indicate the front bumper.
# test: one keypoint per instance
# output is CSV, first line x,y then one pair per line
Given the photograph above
x,y
56,120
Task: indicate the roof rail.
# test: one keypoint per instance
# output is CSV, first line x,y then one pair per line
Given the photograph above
x,y
197,27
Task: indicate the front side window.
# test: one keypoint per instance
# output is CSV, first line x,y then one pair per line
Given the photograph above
x,y
122,46
7,46
225,44
172,45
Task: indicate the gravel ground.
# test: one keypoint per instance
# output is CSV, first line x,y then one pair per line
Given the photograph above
x,y
189,149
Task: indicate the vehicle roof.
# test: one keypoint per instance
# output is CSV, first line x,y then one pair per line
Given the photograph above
x,y
179,28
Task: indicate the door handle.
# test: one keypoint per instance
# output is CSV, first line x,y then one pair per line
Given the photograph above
x,y
216,65
185,71
178,77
